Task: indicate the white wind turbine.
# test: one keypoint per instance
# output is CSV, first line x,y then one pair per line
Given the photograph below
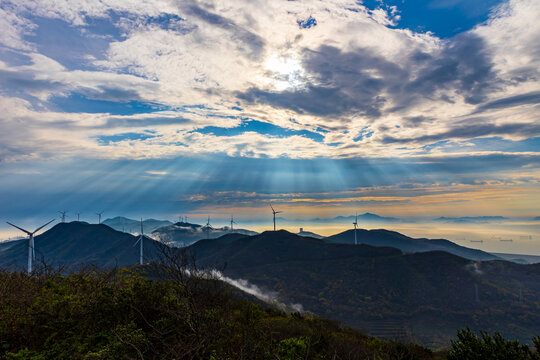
x,y
232,222
31,252
355,223
99,217
63,215
141,237
275,212
208,227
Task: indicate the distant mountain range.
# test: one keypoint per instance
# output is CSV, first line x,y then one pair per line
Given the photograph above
x,y
429,294
366,217
124,224
406,244
471,219
183,233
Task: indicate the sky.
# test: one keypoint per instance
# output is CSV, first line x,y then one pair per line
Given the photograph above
x,y
411,109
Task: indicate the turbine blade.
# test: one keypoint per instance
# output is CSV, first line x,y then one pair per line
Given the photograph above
x,y
136,242
272,207
41,227
28,232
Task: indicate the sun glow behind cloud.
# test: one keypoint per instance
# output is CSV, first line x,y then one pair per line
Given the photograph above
x,y
287,72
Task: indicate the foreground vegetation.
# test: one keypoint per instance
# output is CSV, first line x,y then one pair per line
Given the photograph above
x,y
123,315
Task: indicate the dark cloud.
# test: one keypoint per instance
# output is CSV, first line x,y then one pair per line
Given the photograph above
x,y
464,131
522,99
110,93
22,82
416,121
255,44
316,100
463,66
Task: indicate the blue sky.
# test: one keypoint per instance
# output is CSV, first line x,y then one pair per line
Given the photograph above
x,y
404,108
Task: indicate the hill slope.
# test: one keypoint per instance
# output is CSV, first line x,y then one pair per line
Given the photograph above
x,y
430,294
78,243
396,240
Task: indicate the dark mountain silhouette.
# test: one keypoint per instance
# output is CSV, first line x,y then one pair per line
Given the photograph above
x,y
396,240
183,233
273,247
124,224
430,294
78,243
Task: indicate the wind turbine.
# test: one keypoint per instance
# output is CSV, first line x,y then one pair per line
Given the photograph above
x,y
141,244
275,212
232,222
63,215
207,228
31,252
99,217
355,223
78,216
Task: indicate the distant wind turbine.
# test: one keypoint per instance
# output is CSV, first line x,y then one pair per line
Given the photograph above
x,y
355,223
141,244
232,222
275,212
63,215
78,216
207,228
99,216
31,252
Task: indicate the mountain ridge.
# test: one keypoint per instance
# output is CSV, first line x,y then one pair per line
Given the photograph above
x,y
382,237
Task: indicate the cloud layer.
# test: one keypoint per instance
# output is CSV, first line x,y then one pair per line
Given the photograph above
x,y
334,79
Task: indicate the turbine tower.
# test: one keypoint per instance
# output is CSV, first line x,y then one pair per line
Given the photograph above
x,y
207,228
31,252
99,217
78,216
141,244
63,215
355,223
232,222
275,212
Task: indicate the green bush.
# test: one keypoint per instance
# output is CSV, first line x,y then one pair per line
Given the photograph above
x,y
470,346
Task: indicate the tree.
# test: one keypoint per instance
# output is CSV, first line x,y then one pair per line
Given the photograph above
x,y
470,346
